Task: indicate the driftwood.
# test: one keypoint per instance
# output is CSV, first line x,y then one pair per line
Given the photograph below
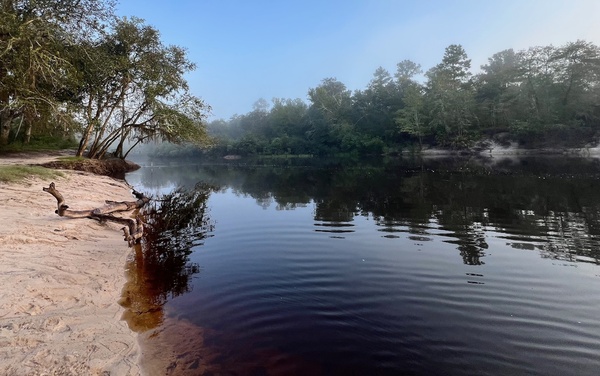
x,y
134,228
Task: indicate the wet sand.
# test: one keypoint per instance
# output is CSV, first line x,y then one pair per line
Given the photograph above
x,y
62,279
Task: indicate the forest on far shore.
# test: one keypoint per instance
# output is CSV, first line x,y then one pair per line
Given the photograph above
x,y
540,97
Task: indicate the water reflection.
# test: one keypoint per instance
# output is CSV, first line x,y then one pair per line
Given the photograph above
x,y
429,268
550,204
161,269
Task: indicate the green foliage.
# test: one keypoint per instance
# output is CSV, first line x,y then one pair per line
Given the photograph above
x,y
137,92
40,143
36,71
538,97
110,80
450,99
376,105
549,135
331,97
14,174
113,82
410,119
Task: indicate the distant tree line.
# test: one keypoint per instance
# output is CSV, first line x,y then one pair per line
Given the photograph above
x,y
542,96
72,68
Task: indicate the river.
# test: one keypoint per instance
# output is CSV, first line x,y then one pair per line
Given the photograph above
x,y
435,267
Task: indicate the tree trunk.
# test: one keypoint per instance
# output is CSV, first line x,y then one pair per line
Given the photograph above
x,y
28,133
5,124
5,114
131,148
119,150
82,145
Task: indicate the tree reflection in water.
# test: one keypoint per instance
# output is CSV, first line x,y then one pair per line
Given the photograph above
x,y
548,204
161,268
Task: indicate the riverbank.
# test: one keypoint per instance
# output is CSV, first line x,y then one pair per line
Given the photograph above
x,y
492,149
62,279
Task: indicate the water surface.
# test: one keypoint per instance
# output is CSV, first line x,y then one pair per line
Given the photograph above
x,y
445,267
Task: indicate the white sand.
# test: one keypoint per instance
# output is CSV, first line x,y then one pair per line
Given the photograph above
x,y
61,279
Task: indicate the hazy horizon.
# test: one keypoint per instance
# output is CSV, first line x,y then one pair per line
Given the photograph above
x,y
263,49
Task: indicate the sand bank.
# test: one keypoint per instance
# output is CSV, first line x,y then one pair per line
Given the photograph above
x,y
61,280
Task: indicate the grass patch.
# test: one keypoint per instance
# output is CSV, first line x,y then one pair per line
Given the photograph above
x,y
71,159
13,174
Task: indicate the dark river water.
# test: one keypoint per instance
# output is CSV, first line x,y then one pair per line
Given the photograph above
x,y
440,267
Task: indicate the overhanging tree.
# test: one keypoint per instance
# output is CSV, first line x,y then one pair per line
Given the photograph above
x,y
135,90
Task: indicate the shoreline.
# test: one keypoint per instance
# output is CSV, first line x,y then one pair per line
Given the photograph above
x,y
492,149
63,279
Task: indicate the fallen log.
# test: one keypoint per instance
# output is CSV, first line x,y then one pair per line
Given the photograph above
x,y
134,228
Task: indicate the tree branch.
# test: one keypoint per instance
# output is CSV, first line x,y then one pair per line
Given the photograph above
x,y
134,228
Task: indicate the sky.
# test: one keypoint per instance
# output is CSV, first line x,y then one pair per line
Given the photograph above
x,y
245,50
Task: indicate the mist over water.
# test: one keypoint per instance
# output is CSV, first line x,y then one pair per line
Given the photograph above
x,y
408,267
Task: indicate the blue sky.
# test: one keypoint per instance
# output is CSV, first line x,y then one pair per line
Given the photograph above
x,y
250,49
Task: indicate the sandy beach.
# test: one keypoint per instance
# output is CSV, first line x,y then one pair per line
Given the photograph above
x,y
62,279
